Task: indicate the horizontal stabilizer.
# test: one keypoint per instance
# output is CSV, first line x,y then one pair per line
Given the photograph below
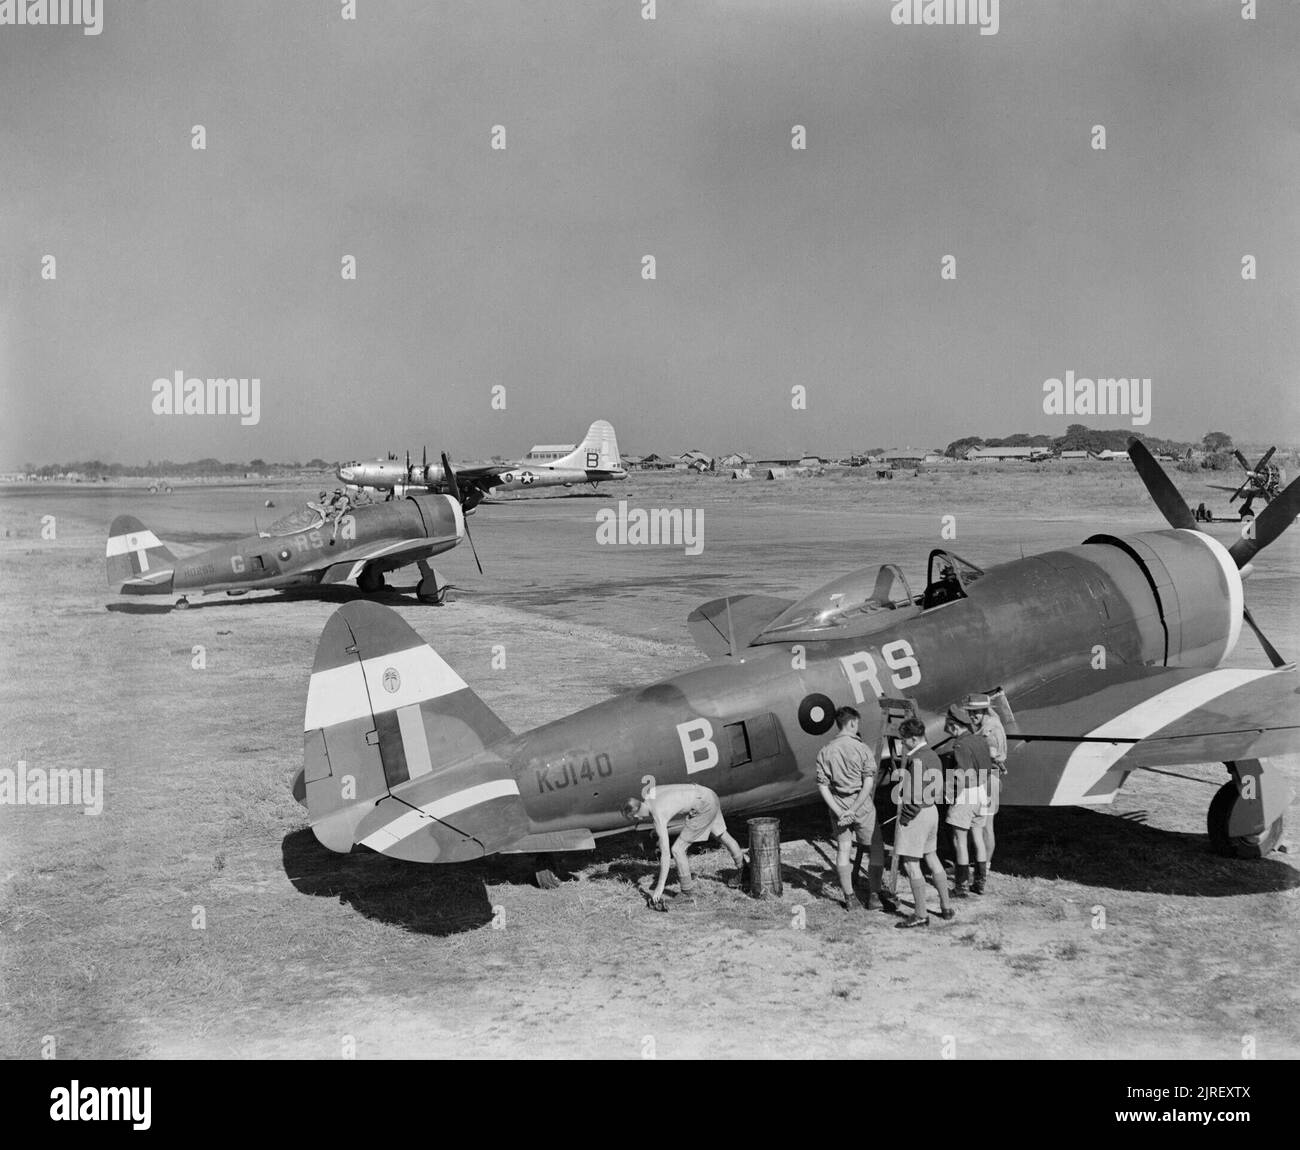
x,y
551,841
749,614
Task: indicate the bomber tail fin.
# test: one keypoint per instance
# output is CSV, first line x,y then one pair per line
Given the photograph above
x,y
597,452
398,750
137,563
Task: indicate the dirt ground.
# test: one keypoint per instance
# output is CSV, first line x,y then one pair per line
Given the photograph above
x,y
197,916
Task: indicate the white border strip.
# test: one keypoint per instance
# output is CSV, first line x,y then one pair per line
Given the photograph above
x,y
407,824
1090,761
132,541
339,695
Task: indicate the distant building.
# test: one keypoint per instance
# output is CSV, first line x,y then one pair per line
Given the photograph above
x,y
1002,454
769,462
736,459
656,462
905,456
694,461
1076,454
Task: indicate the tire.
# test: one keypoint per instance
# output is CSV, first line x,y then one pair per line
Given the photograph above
x,y
1250,846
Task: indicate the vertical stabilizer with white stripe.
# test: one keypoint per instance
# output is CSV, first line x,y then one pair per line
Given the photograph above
x,y
137,563
397,749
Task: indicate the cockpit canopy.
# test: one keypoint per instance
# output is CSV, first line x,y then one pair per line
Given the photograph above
x,y
948,578
860,603
854,604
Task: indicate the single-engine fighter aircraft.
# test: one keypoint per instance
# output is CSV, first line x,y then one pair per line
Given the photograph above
x,y
1104,659
1263,481
312,546
594,460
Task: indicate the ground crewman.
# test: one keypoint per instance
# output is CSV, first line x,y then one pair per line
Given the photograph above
x,y
846,774
989,724
916,780
969,769
704,818
340,505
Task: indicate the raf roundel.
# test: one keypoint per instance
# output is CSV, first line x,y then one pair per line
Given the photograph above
x,y
816,714
392,681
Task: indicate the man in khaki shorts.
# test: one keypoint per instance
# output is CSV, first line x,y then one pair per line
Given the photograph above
x,y
969,768
846,773
916,777
990,726
703,813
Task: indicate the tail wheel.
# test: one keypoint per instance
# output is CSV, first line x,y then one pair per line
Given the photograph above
x,y
1234,825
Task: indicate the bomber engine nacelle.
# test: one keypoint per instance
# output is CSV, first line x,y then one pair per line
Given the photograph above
x,y
1185,591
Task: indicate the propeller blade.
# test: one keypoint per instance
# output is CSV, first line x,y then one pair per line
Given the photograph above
x,y
1241,459
1268,524
424,463
1264,462
1269,649
454,487
450,477
1160,487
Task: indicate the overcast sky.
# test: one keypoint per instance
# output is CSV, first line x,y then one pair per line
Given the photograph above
x,y
627,137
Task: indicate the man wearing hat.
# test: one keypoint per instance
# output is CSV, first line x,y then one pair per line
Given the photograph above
x,y
969,769
990,726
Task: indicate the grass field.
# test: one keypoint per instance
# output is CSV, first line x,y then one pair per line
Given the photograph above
x,y
198,916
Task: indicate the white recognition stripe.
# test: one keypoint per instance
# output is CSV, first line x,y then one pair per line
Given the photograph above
x,y
339,694
411,725
1090,761
135,541
410,822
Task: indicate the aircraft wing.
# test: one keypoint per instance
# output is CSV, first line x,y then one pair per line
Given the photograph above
x,y
339,565
1076,738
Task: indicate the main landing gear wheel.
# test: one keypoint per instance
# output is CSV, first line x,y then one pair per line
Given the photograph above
x,y
432,589
1245,818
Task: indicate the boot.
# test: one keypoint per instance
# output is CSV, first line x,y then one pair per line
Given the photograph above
x,y
846,889
981,874
960,875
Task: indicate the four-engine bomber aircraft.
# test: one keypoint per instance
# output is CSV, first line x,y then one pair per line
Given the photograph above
x,y
305,548
1105,659
594,460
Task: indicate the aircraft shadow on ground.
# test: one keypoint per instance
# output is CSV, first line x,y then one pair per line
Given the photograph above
x,y
1067,843
1119,851
434,900
339,594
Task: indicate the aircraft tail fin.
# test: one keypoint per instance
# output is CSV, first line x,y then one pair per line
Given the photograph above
x,y
598,450
397,750
136,561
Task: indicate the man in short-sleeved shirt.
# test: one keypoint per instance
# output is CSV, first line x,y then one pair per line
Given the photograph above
x,y
704,819
990,726
969,767
846,774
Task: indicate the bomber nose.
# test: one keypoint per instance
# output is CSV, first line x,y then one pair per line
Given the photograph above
x,y
346,474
